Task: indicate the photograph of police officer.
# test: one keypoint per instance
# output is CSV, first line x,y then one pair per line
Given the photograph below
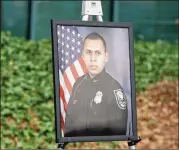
x,y
98,104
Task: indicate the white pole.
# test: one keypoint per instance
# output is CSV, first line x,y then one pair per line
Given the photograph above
x,y
132,147
90,9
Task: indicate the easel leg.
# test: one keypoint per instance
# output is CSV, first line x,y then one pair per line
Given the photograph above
x,y
61,146
99,18
132,144
90,9
87,18
132,147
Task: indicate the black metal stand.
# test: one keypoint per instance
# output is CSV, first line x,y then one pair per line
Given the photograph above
x,y
132,144
62,145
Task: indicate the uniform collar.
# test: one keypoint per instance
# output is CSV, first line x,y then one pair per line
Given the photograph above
x,y
97,77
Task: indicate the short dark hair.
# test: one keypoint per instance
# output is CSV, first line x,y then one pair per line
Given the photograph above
x,y
95,36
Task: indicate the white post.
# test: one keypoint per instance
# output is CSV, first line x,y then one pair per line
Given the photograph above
x,y
90,9
132,147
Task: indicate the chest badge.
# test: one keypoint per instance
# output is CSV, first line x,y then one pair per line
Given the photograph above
x,y
98,97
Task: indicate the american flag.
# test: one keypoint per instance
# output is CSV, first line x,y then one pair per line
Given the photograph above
x,y
71,64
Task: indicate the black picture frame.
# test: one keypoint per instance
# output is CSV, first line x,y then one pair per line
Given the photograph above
x,y
59,138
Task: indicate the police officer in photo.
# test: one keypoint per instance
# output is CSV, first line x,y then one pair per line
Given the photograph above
x,y
98,105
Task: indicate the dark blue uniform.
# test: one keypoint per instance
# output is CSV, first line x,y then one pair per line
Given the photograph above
x,y
97,107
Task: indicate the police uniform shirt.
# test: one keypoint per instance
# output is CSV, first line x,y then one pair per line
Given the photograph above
x,y
97,107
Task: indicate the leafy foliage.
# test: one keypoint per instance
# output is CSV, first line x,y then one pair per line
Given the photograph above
x,y
27,99
27,86
154,62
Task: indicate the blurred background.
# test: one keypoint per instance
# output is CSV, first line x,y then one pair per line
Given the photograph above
x,y
27,103
31,19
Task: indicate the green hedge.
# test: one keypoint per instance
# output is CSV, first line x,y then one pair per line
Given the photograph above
x,y
27,93
154,62
27,86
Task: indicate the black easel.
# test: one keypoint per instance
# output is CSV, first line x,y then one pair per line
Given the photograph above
x,y
62,145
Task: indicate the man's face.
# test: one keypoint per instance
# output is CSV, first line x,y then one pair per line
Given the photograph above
x,y
95,56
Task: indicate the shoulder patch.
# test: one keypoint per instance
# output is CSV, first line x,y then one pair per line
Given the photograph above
x,y
120,98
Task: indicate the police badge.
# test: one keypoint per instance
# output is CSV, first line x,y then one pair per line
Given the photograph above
x,y
98,97
120,98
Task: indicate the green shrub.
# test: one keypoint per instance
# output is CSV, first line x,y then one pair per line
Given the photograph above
x,y
27,86
27,93
154,62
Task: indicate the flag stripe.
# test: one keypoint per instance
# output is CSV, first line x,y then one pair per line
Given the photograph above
x,y
62,119
67,82
82,64
62,132
63,113
73,69
78,68
62,123
62,83
70,76
63,98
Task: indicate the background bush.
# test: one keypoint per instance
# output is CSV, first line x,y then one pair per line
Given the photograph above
x,y
27,86
154,62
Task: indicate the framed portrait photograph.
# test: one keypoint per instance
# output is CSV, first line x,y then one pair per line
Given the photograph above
x,y
94,81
